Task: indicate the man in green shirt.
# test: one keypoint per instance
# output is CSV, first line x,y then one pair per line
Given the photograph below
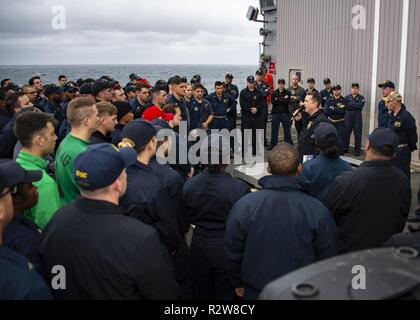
x,y
35,132
82,116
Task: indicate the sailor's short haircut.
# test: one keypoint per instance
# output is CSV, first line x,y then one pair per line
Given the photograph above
x,y
78,110
198,86
178,80
106,109
316,97
171,108
283,160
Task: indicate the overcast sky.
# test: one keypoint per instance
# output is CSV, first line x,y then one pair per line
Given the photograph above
x,y
129,32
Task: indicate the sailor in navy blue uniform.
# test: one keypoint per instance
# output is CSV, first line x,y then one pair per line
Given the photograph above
x,y
18,277
251,102
177,97
223,105
335,110
310,88
200,110
231,88
209,197
54,98
148,200
354,120
404,125
384,116
264,88
327,92
196,79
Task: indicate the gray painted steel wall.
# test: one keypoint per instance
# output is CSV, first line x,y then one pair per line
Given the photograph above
x,y
412,82
344,54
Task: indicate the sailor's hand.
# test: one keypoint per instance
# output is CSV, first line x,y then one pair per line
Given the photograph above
x,y
297,115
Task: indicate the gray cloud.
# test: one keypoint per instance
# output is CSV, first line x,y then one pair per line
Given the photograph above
x,y
129,31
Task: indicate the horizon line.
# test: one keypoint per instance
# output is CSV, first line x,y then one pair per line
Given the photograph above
x,y
127,64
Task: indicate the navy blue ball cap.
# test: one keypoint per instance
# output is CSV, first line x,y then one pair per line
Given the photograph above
x,y
139,132
327,81
387,84
161,83
100,165
381,137
51,89
86,88
323,130
336,87
70,87
250,79
12,174
102,84
229,76
134,77
258,73
129,89
197,77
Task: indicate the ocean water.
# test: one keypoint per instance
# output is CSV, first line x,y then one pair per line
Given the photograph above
x,y
209,73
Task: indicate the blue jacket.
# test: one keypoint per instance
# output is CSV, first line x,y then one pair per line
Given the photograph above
x,y
116,134
224,106
264,89
56,112
137,108
383,115
147,200
233,90
275,231
335,109
199,113
18,278
24,237
8,139
5,118
325,94
320,172
173,183
404,126
210,196
355,103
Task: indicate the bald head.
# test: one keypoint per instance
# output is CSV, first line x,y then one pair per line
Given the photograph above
x,y
295,80
283,160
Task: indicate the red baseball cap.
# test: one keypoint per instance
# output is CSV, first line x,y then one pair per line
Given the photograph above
x,y
147,83
155,112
